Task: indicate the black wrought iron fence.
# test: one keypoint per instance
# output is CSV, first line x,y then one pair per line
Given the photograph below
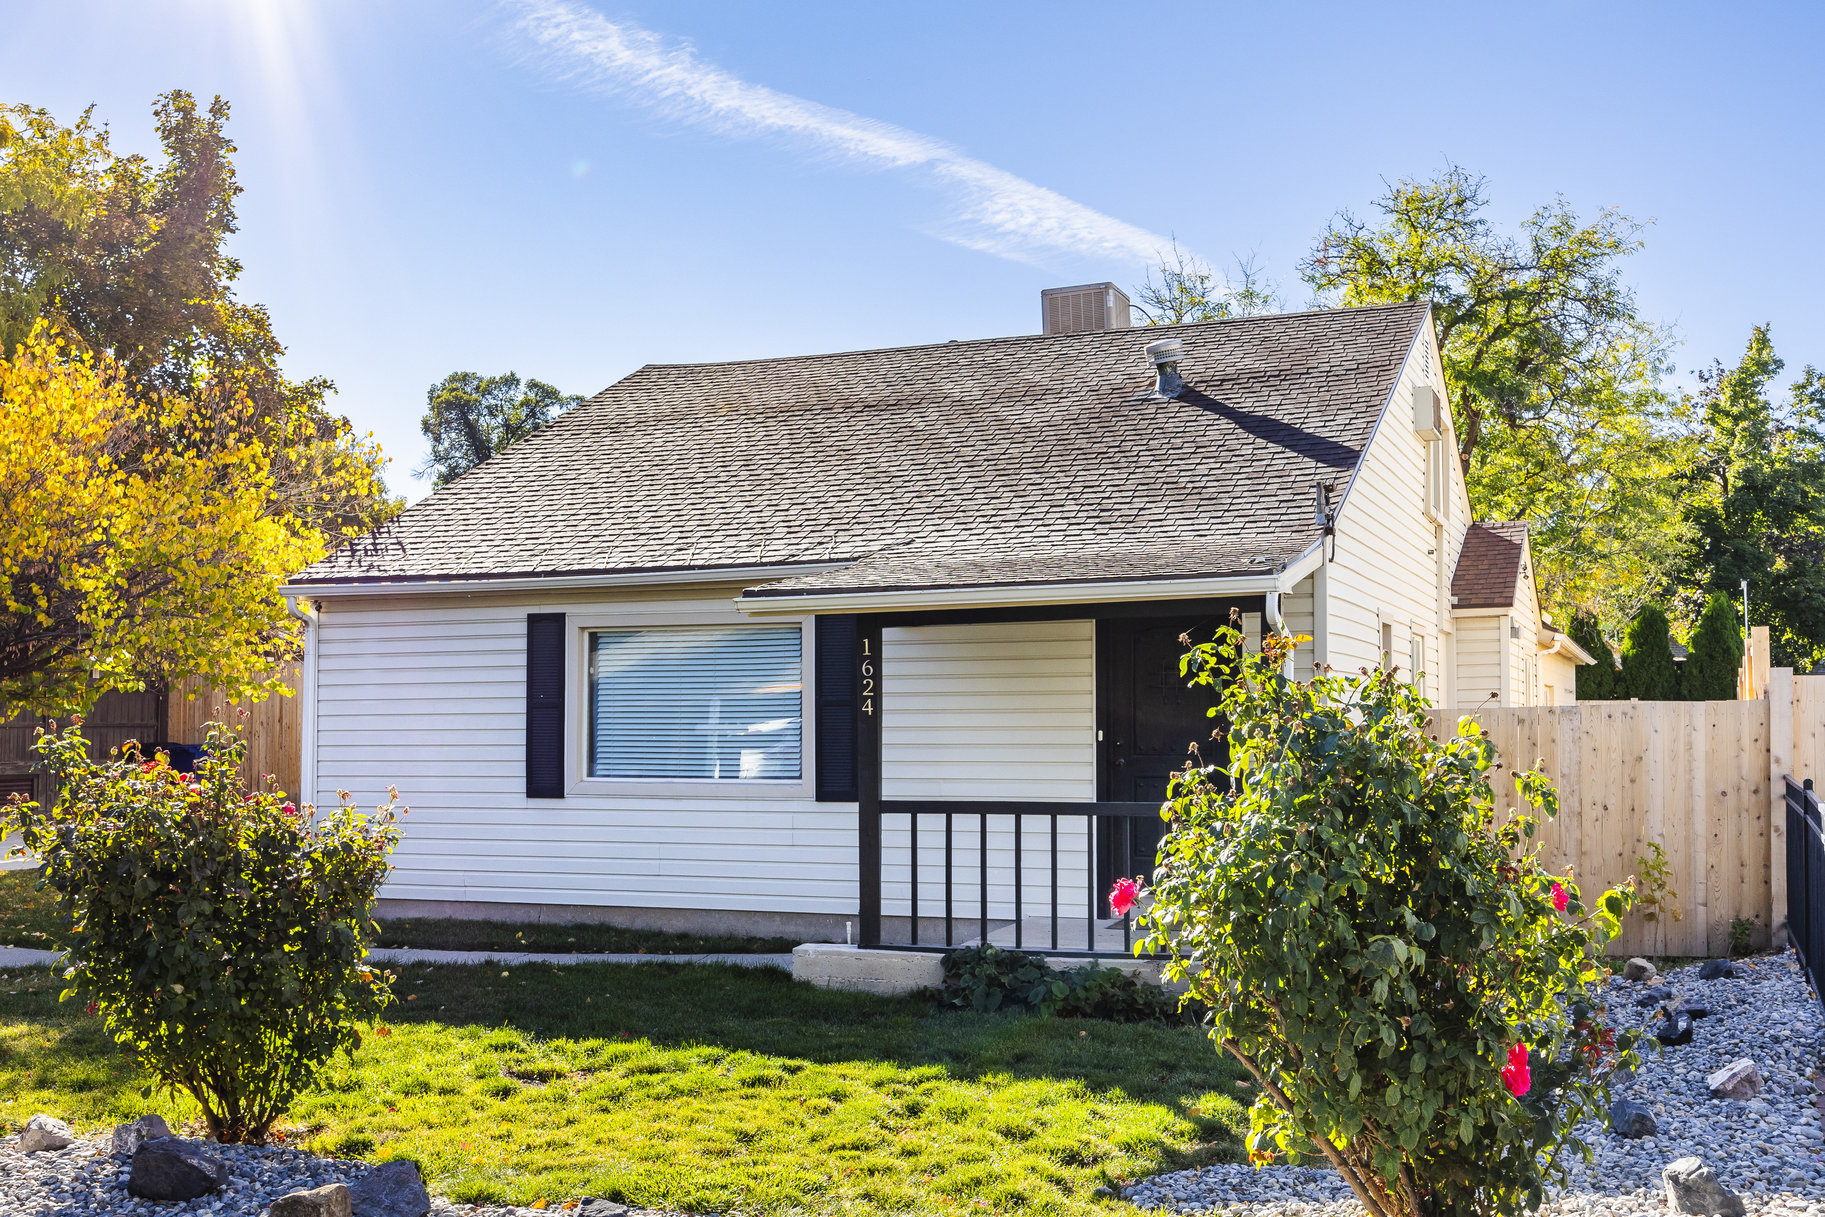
x,y
1806,880
1029,876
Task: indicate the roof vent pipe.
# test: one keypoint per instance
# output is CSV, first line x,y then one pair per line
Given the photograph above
x,y
1165,355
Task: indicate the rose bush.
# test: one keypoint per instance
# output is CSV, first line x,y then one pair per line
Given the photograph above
x,y
221,934
1415,996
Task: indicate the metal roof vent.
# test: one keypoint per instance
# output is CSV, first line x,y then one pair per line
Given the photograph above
x,y
1089,306
1165,355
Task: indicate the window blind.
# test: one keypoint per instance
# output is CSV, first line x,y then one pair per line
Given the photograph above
x,y
698,703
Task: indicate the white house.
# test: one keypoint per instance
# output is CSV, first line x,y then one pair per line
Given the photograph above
x,y
732,645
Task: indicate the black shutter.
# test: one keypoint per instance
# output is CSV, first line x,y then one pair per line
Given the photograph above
x,y
836,709
544,705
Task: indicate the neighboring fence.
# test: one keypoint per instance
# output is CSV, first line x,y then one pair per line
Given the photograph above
x,y
273,725
1691,776
1806,880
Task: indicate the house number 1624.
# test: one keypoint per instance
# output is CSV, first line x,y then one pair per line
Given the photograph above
x,y
867,678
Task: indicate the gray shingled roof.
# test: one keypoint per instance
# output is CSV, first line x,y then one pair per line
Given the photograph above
x,y
1009,460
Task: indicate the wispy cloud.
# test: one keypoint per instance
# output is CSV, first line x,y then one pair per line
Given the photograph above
x,y
996,211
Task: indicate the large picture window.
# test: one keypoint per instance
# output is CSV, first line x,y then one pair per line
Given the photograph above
x,y
697,703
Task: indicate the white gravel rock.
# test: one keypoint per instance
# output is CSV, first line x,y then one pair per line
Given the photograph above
x,y
1768,1150
83,1179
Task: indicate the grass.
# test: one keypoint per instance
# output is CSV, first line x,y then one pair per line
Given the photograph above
x,y
29,918
704,1088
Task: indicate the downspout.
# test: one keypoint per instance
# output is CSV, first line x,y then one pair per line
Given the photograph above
x,y
1277,619
306,612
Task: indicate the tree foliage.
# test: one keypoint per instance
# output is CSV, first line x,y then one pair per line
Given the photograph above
x,y
1373,944
470,418
1554,379
219,933
1599,681
127,257
139,538
1190,290
1648,671
1756,499
1714,654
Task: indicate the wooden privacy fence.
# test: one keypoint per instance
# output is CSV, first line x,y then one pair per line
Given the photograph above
x,y
273,726
1693,777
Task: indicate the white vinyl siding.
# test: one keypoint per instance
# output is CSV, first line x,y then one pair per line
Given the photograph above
x,y
989,711
1481,650
1384,572
429,693
1003,711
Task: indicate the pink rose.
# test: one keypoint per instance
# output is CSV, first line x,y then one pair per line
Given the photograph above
x,y
1560,898
1515,1074
1123,895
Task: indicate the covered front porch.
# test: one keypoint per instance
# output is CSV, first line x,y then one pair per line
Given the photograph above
x,y
1010,764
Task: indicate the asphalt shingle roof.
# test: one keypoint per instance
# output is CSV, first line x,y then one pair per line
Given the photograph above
x,y
1010,460
1489,566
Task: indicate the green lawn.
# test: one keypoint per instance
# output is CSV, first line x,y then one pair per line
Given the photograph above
x,y
709,1089
28,918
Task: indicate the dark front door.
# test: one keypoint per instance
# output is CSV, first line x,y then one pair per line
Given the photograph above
x,y
1150,720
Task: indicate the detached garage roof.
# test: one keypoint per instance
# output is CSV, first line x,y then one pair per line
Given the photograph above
x,y
1003,462
1489,566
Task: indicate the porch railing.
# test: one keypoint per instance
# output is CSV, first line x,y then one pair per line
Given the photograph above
x,y
1806,880
938,874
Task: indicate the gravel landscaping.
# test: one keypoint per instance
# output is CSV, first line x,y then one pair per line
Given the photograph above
x,y
1766,1148
86,1178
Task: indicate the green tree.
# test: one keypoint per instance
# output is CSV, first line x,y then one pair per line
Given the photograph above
x,y
1598,681
1554,378
1648,672
1190,290
1757,499
1715,653
469,418
128,257
1373,943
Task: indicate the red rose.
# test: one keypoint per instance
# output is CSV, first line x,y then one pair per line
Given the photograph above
x,y
1123,895
1560,898
1515,1074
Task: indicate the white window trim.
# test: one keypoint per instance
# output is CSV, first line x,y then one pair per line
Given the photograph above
x,y
576,771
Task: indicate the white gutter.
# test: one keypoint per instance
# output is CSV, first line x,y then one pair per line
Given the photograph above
x,y
1024,595
306,612
1576,652
477,586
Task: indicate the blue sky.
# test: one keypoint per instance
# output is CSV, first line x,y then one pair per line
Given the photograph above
x,y
571,188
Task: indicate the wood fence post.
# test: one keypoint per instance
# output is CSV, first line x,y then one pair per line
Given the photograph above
x,y
1780,764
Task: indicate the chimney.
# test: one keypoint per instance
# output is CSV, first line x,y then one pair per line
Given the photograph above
x,y
1089,306
1164,355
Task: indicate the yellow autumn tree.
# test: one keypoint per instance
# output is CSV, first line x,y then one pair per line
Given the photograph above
x,y
142,538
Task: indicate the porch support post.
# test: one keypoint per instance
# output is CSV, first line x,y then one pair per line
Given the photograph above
x,y
868,775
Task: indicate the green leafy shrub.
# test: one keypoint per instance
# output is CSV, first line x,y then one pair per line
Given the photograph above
x,y
1599,681
989,978
1414,994
1648,671
219,933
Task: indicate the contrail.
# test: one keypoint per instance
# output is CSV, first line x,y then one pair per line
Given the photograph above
x,y
996,211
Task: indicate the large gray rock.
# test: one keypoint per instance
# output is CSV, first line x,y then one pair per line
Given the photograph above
x,y
1639,969
129,1137
1692,1187
594,1207
170,1169
1740,1080
330,1200
1631,1119
392,1189
44,1132
1654,996
1716,969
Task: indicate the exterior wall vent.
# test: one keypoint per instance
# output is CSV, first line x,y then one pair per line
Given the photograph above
x,y
1089,306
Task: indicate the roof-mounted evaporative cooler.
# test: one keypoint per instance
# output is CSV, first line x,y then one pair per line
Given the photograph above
x,y
1088,306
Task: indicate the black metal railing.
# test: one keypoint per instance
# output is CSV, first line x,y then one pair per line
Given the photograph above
x,y
983,890
1806,880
